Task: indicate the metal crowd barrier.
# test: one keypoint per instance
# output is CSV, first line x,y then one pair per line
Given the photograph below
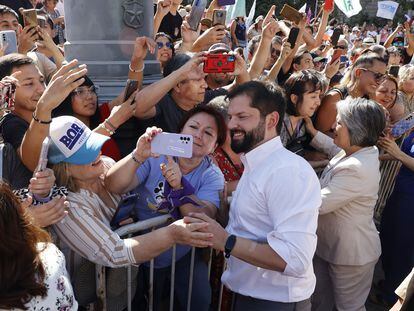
x,y
128,231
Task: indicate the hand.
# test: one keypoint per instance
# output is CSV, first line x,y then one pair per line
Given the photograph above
x,y
45,43
191,69
212,35
163,7
63,82
49,213
269,16
309,127
399,28
331,69
270,30
390,147
141,46
42,182
187,231
172,173
143,149
219,234
123,112
302,22
240,65
59,20
188,35
27,38
3,49
286,50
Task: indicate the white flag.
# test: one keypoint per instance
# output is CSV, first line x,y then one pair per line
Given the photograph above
x,y
387,9
249,20
236,10
349,7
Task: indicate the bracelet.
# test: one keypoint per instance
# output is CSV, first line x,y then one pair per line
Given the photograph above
x,y
135,159
138,70
110,125
40,121
102,126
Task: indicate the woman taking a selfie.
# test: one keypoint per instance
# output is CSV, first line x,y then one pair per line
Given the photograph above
x,y
177,186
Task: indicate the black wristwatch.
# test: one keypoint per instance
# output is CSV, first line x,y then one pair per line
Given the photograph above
x,y
228,247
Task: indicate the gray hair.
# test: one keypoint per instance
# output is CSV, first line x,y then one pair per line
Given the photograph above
x,y
364,118
221,104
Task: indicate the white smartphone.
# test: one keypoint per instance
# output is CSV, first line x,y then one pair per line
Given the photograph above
x,y
176,145
403,126
8,37
41,166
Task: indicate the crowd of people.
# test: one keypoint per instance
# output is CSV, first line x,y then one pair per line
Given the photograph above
x,y
300,181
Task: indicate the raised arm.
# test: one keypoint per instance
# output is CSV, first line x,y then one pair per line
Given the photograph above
x,y
163,7
148,97
66,79
284,54
391,37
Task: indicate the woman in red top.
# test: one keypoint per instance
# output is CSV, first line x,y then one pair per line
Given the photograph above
x,y
105,118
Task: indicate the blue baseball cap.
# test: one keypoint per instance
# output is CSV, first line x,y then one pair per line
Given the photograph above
x,y
73,142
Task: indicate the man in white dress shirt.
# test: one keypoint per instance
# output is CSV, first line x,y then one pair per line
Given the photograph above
x,y
270,239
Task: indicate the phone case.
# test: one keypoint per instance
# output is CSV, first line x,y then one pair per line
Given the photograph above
x,y
197,11
8,37
30,17
226,2
335,36
41,166
176,145
403,125
218,63
291,14
131,87
219,17
329,4
293,35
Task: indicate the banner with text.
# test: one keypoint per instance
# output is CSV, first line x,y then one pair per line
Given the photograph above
x,y
349,7
387,9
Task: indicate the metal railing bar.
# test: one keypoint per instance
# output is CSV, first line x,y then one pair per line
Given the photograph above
x,y
142,225
174,253
190,281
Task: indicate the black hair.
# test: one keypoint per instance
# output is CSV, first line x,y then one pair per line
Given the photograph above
x,y
4,9
218,117
12,61
266,97
176,62
66,109
300,83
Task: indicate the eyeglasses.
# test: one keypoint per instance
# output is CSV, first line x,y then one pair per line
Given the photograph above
x,y
379,77
168,45
83,92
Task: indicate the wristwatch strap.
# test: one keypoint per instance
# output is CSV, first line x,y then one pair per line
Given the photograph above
x,y
228,247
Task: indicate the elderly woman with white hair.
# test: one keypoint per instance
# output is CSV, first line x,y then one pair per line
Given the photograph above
x,y
348,242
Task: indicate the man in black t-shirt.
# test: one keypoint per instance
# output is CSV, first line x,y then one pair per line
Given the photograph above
x,y
167,19
31,87
183,88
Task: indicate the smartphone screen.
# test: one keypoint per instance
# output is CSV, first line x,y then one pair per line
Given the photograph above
x,y
293,36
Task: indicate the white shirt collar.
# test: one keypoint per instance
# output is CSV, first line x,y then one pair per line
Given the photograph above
x,y
255,156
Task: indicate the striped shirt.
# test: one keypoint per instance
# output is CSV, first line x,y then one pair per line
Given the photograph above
x,y
85,232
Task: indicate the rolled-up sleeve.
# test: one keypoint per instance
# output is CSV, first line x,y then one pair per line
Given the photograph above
x,y
294,216
88,236
325,144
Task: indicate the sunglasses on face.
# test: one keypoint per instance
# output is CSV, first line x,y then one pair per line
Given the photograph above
x,y
168,45
379,77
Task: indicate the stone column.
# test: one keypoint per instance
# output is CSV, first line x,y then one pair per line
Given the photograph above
x,y
101,34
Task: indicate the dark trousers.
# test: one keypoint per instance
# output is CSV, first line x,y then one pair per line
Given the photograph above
x,y
244,303
201,292
397,241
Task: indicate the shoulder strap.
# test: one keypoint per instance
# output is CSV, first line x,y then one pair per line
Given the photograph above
x,y
343,91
